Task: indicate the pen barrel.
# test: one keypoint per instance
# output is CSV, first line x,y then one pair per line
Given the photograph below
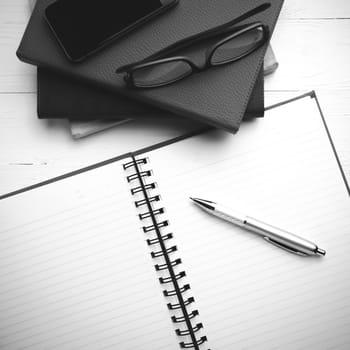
x,y
283,239
227,214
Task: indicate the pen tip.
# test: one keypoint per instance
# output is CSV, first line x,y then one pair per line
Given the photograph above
x,y
203,203
196,200
320,251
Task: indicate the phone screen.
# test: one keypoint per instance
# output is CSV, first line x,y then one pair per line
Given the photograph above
x,y
82,26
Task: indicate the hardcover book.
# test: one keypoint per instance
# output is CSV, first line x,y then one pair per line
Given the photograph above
x,y
217,97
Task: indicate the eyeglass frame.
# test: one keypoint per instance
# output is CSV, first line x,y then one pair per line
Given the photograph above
x,y
220,30
195,68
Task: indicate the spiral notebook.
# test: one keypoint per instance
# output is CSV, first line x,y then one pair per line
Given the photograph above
x,y
116,257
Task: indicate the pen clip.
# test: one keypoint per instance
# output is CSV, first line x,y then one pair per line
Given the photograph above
x,y
283,246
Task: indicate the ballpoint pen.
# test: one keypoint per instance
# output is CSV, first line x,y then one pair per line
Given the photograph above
x,y
271,234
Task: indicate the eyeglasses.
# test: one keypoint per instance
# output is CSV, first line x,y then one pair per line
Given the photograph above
x,y
234,44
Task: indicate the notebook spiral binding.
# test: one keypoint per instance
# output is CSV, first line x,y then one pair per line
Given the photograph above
x,y
151,216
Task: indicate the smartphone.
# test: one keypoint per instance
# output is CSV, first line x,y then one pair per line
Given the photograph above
x,y
83,27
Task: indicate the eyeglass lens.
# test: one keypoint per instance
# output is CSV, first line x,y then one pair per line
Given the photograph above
x,y
238,46
161,74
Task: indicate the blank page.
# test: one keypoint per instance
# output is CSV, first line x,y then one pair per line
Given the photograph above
x,y
281,170
75,269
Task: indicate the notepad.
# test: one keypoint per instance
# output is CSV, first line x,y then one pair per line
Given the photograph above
x,y
117,257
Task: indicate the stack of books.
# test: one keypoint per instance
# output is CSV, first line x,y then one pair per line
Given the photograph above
x,y
220,97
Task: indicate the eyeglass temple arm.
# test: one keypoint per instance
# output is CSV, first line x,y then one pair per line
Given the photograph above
x,y
183,43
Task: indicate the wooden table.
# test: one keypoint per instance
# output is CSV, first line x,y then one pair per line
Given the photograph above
x,y
311,43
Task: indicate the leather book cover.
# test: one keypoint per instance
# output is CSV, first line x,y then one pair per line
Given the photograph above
x,y
218,96
65,97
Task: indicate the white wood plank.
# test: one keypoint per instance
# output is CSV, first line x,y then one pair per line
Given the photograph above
x,y
294,9
313,54
15,76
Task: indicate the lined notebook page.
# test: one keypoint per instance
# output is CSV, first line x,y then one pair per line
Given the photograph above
x,y
75,271
281,170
